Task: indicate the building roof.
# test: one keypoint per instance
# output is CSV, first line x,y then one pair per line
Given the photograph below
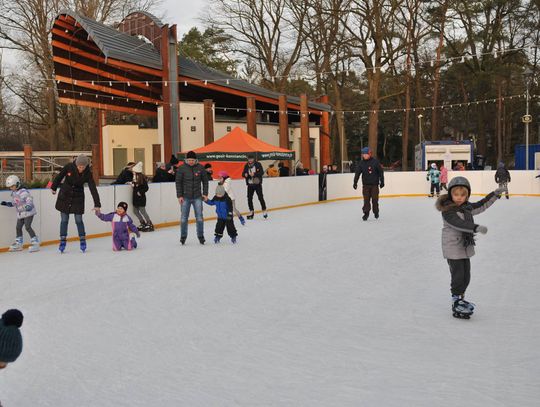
x,y
118,45
121,46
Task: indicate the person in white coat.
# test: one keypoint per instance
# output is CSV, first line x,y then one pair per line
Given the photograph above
x,y
226,182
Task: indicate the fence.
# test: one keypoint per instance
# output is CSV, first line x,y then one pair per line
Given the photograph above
x,y
164,209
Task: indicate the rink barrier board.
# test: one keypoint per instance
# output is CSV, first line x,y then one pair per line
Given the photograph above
x,y
281,193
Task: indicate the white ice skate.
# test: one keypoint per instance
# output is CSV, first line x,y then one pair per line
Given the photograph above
x,y
34,245
17,245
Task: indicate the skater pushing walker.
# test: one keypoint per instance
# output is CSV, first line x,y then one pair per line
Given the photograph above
x,y
458,237
22,201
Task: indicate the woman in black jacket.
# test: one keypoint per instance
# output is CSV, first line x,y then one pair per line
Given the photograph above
x,y
140,187
126,175
71,197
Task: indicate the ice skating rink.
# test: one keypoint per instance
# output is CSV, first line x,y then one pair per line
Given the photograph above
x,y
313,307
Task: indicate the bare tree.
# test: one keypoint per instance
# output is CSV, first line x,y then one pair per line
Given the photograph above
x,y
266,31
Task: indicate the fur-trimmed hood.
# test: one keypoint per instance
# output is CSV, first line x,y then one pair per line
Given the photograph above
x,y
444,203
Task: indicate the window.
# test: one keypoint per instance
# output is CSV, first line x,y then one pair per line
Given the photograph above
x,y
193,128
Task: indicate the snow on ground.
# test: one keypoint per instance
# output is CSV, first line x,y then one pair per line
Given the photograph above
x,y
312,307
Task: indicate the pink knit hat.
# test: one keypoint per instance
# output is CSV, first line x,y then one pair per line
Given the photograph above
x,y
223,174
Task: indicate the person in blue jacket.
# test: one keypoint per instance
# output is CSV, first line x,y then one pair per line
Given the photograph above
x,y
434,176
224,211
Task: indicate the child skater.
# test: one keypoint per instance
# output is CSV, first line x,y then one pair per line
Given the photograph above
x,y
433,176
140,187
226,182
458,237
122,224
224,210
24,205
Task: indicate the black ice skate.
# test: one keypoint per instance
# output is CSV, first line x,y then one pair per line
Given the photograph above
x,y
251,215
462,309
366,215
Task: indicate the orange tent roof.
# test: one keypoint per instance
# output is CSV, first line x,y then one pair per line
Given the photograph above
x,y
236,145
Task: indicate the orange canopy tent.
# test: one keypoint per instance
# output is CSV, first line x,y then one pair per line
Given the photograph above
x,y
230,152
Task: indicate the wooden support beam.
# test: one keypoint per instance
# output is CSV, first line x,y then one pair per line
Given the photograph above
x,y
97,105
96,162
283,122
305,155
208,121
324,135
28,167
251,116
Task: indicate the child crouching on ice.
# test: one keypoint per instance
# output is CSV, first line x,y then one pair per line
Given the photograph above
x,y
224,210
458,237
24,205
122,224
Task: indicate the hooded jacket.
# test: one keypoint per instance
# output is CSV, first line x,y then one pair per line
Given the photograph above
x,y
458,225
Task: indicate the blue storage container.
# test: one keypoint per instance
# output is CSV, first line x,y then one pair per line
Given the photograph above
x,y
519,150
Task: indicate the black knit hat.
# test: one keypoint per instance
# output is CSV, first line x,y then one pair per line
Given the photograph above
x,y
251,156
122,205
11,343
173,160
191,154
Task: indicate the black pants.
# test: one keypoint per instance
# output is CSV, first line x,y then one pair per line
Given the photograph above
x,y
435,187
460,271
27,223
251,190
504,185
220,227
371,197
443,186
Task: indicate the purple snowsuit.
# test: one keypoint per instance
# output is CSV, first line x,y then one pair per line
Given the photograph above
x,y
121,225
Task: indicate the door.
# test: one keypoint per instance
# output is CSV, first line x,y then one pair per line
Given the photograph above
x,y
119,159
138,155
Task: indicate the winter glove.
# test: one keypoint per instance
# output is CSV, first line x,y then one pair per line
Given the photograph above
x,y
355,186
4,203
480,229
382,185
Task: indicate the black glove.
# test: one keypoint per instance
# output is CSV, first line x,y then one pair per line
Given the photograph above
x,y
355,186
382,184
3,203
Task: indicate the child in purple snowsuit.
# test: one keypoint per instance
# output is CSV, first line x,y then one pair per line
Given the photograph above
x,y
122,224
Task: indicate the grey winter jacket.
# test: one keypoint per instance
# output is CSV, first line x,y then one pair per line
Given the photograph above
x,y
191,181
458,224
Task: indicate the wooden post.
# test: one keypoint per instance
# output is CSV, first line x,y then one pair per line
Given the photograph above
x,y
28,170
102,122
208,121
305,155
324,137
283,122
96,162
156,154
251,116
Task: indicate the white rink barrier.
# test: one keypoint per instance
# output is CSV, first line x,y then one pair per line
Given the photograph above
x,y
164,210
162,206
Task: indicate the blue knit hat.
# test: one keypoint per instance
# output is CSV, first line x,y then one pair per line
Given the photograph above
x,y
10,336
366,150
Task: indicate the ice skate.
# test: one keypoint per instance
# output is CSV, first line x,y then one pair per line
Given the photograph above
x,y
217,239
142,227
34,245
201,240
242,220
149,227
265,215
366,215
183,240
83,244
17,245
251,215
462,309
62,245
233,240
376,215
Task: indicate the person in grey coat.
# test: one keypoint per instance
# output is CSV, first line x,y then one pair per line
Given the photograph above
x,y
191,190
459,230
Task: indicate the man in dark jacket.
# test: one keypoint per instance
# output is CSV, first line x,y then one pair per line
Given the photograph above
x,y
71,197
191,189
126,175
322,183
253,173
283,171
372,176
502,177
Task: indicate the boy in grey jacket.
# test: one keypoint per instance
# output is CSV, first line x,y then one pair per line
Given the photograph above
x,y
458,237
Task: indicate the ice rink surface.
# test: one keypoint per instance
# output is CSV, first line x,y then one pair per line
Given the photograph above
x,y
313,307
